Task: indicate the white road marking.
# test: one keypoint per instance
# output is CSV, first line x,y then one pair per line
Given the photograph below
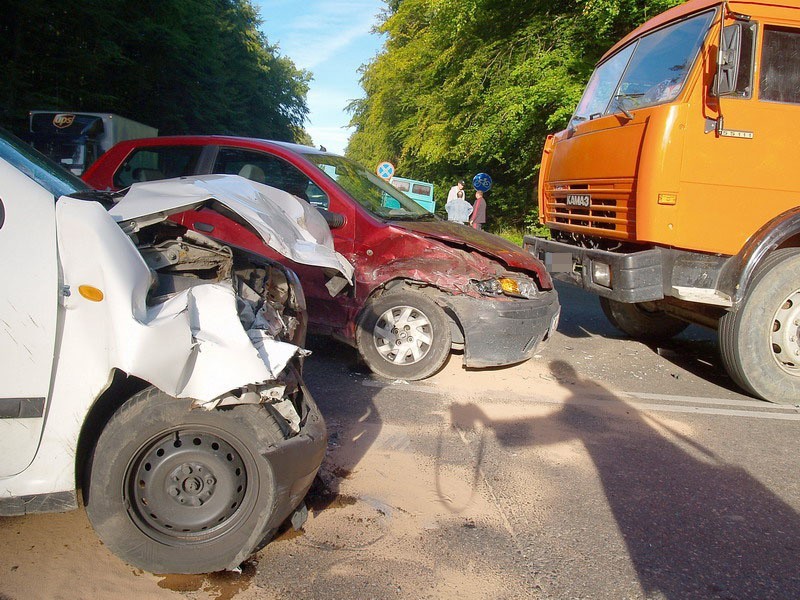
x,y
729,412
636,400
702,400
402,385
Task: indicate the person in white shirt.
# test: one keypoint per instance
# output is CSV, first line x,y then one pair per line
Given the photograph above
x,y
452,194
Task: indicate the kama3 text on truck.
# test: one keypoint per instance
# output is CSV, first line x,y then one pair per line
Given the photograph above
x,y
673,193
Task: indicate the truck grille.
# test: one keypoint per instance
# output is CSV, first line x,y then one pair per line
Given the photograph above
x,y
611,212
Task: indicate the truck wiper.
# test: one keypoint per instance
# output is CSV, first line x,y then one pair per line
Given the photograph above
x,y
618,103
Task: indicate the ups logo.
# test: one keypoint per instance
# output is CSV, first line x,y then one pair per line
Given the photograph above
x,y
63,121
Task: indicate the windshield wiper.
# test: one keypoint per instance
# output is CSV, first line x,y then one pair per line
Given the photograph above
x,y
423,217
618,103
105,197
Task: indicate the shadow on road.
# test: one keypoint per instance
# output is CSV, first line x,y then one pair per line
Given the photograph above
x,y
333,375
695,350
694,526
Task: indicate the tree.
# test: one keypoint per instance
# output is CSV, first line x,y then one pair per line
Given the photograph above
x,y
184,66
465,86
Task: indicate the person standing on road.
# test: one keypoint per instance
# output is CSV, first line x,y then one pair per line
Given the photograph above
x,y
453,193
458,209
478,217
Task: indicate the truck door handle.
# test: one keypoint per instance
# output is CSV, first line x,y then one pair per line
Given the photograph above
x,y
2,213
204,227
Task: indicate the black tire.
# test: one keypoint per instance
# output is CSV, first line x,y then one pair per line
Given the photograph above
x,y
178,490
759,342
642,321
403,335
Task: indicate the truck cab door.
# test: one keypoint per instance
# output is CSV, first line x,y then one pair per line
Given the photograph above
x,y
740,170
28,312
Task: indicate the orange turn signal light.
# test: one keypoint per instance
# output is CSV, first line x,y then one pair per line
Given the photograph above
x,y
91,293
510,286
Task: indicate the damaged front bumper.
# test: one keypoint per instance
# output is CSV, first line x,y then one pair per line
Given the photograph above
x,y
295,461
504,332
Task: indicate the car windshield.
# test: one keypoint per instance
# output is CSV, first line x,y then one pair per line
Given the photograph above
x,y
55,179
370,191
647,72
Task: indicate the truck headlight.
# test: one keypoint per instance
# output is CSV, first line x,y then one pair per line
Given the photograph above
x,y
601,274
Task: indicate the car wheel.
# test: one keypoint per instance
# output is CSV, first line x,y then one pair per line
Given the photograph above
x,y
173,489
403,335
642,321
759,342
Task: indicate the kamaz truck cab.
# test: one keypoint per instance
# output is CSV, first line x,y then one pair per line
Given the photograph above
x,y
673,193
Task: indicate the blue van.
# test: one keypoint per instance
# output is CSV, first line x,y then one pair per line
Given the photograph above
x,y
420,192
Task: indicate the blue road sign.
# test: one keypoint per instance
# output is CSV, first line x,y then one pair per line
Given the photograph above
x,y
385,170
482,182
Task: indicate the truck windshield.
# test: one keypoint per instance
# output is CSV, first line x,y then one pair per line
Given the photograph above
x,y
370,191
649,71
42,170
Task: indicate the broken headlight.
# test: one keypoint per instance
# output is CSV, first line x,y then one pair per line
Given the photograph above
x,y
516,286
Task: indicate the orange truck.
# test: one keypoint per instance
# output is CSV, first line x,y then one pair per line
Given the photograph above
x,y
674,192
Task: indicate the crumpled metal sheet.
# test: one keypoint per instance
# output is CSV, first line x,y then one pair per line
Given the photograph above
x,y
192,345
288,225
218,354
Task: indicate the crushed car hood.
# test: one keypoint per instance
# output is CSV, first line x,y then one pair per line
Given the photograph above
x,y
285,223
458,235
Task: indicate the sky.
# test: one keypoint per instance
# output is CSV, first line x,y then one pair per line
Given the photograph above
x,y
331,39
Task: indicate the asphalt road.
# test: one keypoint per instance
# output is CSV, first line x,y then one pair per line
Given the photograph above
x,y
602,468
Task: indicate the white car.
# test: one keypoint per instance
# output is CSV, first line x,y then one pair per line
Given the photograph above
x,y
153,368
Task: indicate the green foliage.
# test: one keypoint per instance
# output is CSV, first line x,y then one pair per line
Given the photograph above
x,y
184,66
465,86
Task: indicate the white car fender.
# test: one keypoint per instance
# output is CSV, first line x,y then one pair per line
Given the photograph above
x,y
193,345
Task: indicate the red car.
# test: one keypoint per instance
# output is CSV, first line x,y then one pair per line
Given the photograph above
x,y
422,285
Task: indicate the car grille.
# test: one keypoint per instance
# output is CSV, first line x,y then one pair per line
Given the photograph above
x,y
611,211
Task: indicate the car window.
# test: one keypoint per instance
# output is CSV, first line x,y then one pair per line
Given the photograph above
x,y
271,170
371,192
403,186
780,69
54,178
158,162
421,189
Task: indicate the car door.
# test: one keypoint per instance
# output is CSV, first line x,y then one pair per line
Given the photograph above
x,y
29,295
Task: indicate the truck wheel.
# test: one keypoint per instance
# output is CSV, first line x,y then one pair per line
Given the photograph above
x,y
176,490
641,321
759,342
403,335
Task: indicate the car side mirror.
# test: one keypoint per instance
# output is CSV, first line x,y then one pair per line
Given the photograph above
x,y
333,219
730,50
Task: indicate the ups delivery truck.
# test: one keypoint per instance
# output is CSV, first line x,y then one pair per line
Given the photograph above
x,y
76,139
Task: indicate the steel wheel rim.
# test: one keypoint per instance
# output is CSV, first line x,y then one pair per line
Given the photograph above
x,y
188,486
403,335
786,333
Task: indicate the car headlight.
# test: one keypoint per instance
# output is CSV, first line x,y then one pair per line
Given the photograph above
x,y
518,287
